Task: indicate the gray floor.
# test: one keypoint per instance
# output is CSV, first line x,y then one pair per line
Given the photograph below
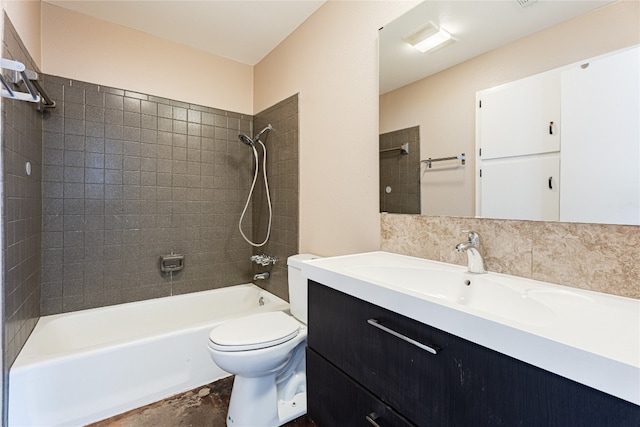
x,y
202,407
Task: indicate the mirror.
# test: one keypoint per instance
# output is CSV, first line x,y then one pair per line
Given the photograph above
x,y
496,42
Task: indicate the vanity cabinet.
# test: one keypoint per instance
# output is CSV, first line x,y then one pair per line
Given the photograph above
x,y
363,359
340,401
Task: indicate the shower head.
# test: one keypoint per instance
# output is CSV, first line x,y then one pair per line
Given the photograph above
x,y
251,142
268,127
246,140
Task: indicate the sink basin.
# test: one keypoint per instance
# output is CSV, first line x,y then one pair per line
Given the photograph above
x,y
441,284
475,292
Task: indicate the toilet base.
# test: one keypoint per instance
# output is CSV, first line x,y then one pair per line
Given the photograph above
x,y
252,404
297,407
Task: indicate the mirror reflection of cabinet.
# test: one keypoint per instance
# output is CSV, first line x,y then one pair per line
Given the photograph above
x,y
541,139
524,187
517,129
601,104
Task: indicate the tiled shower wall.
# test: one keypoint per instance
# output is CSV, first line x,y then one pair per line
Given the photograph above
x,y
400,172
128,177
282,172
22,206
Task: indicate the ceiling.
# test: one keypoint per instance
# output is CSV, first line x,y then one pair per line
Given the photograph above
x,y
478,26
244,31
247,30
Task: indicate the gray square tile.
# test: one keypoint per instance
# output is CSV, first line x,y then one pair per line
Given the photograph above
x,y
94,114
131,119
114,101
73,94
112,176
150,108
113,131
94,144
94,129
113,146
74,142
113,161
94,98
131,105
165,111
113,117
180,114
94,160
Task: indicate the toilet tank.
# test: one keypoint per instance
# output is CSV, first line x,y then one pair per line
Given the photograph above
x,y
298,286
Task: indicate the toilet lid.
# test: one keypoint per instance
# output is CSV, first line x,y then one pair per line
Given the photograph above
x,y
254,332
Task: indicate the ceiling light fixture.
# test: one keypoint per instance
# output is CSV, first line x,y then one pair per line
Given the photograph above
x,y
428,37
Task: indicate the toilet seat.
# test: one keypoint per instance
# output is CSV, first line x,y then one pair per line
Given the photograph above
x,y
254,332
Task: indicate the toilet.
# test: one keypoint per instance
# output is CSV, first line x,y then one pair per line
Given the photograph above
x,y
266,353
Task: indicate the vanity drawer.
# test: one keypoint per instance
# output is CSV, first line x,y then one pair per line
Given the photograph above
x,y
336,400
462,384
410,379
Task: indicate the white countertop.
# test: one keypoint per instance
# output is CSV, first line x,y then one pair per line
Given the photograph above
x,y
589,337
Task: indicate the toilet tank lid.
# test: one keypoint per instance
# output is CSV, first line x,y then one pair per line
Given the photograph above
x,y
297,260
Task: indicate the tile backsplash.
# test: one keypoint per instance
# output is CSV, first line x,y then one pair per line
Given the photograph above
x,y
595,257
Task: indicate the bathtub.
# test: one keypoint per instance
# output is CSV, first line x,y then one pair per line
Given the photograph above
x,y
81,367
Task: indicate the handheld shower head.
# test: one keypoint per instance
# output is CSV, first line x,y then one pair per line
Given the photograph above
x,y
246,140
268,127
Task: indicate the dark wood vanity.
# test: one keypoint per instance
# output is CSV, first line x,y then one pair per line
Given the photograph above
x,y
369,366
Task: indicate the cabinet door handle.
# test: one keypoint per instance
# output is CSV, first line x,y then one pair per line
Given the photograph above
x,y
430,348
372,417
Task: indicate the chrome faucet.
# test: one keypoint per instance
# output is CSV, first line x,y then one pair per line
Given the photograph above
x,y
473,248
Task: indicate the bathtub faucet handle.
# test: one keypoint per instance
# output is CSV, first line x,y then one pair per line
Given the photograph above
x,y
264,260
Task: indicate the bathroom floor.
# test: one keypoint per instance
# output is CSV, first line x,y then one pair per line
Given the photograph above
x,y
204,406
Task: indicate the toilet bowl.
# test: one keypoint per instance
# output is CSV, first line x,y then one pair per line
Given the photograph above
x,y
266,353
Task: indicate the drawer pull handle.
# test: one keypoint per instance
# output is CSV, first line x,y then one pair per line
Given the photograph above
x,y
430,349
372,417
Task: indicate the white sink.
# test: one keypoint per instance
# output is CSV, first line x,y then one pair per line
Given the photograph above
x,y
589,337
483,293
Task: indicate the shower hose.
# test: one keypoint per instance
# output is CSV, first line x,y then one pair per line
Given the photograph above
x,y
266,189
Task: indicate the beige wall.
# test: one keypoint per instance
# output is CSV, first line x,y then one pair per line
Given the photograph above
x,y
444,105
84,48
331,61
25,15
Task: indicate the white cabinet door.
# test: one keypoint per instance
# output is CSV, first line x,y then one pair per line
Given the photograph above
x,y
601,140
521,187
521,117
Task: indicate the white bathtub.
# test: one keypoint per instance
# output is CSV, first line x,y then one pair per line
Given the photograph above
x,y
81,367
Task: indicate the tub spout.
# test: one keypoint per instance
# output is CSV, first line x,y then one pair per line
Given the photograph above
x,y
261,276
